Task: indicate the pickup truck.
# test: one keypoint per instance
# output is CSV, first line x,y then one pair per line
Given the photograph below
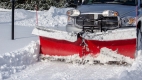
x,y
103,15
96,27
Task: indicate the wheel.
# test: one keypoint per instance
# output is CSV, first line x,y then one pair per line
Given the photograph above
x,y
139,40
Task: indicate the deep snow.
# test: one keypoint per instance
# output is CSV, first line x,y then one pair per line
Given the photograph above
x,y
19,57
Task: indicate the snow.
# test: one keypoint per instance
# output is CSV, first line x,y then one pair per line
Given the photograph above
x,y
60,35
105,36
104,57
19,57
16,61
45,18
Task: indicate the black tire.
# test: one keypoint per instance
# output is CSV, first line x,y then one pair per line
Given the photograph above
x,y
139,39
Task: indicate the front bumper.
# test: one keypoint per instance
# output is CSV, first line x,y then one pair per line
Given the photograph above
x,y
91,25
77,29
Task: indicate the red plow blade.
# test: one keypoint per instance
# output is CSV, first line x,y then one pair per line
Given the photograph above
x,y
124,47
54,47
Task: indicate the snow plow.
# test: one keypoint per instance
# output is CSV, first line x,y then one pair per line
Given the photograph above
x,y
80,50
94,34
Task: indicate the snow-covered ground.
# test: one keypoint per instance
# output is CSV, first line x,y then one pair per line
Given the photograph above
x,y
19,57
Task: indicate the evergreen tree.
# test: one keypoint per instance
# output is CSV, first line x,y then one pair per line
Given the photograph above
x,y
30,4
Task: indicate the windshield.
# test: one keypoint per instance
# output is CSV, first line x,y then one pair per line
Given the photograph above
x,y
123,2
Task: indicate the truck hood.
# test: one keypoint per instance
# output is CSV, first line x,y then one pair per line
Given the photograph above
x,y
123,10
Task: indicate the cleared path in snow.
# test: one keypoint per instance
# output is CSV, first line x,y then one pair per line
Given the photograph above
x,y
63,71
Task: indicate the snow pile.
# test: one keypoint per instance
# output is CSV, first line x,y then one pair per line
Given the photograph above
x,y
0,76
5,17
18,60
109,55
51,18
20,14
28,19
104,57
132,73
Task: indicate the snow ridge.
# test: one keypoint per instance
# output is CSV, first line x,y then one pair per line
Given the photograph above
x,y
104,57
18,60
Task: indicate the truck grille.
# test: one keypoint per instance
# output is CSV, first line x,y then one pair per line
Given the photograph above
x,y
110,22
79,19
89,20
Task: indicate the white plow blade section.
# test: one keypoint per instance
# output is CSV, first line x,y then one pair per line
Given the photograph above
x,y
118,34
55,34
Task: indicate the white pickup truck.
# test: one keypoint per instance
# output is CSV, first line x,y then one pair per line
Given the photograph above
x,y
103,15
97,27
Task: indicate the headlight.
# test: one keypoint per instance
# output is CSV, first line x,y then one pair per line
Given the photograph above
x,y
73,12
110,13
129,20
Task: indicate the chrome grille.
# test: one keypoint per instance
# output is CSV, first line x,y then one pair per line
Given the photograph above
x,y
90,21
79,19
110,22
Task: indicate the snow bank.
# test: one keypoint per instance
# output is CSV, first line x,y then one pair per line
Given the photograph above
x,y
51,18
132,73
104,56
4,10
16,61
20,14
0,76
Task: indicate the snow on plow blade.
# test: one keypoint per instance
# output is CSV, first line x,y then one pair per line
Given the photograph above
x,y
125,47
54,47
87,48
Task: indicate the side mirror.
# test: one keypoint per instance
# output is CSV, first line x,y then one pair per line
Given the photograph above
x,y
79,2
141,5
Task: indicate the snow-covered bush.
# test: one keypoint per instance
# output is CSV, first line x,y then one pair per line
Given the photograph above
x,y
30,4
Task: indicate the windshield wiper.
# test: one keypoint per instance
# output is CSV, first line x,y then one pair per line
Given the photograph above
x,y
114,2
122,3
